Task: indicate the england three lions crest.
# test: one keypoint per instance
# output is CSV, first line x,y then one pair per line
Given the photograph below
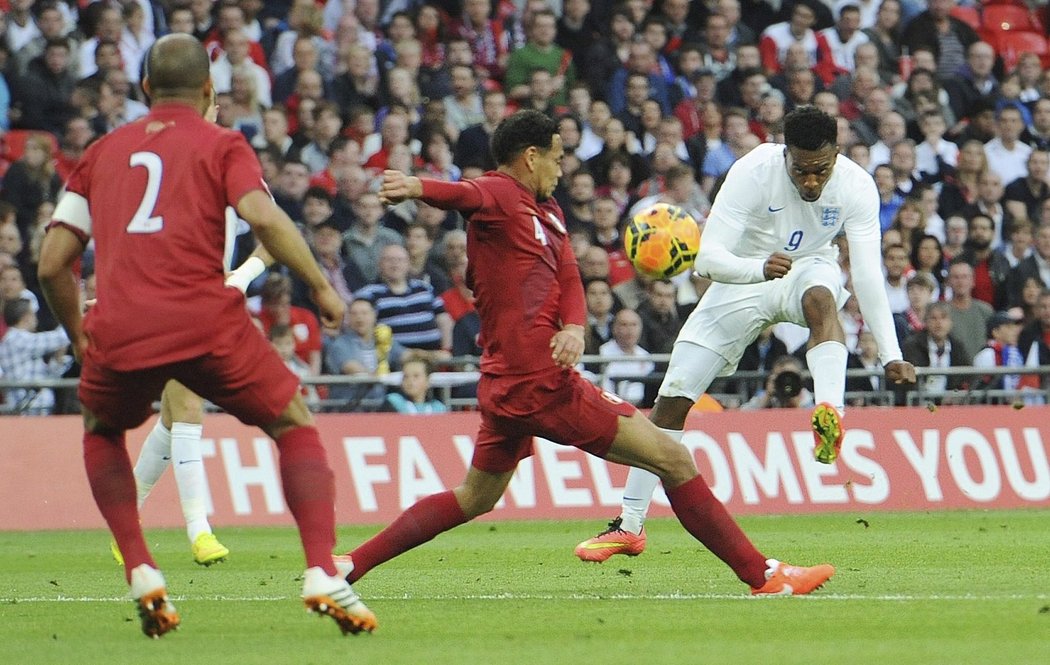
x,y
830,217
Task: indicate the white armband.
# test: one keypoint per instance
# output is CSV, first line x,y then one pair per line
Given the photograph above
x,y
246,273
73,209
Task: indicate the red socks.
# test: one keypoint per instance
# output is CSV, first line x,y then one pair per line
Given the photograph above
x,y
113,486
309,490
420,523
708,521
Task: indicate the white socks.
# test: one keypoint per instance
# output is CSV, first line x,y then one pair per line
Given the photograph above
x,y
188,464
154,458
181,447
638,492
827,364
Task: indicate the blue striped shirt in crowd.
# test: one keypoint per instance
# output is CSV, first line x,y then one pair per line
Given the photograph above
x,y
412,315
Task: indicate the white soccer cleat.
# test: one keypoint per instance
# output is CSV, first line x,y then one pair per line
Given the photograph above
x,y
333,596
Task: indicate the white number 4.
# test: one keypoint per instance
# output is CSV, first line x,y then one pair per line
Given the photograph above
x,y
541,235
144,221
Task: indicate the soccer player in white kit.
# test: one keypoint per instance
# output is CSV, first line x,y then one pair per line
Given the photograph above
x,y
767,245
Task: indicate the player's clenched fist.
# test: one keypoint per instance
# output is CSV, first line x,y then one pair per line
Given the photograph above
x,y
567,346
331,306
777,265
398,187
900,371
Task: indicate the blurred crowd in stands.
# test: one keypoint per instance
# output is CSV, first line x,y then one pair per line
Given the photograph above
x,y
946,103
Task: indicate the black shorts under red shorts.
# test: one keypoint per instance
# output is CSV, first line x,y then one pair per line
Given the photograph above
x,y
244,376
559,405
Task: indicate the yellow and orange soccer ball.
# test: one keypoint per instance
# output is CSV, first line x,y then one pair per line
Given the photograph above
x,y
662,241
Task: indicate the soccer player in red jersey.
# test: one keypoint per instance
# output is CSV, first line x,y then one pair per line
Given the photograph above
x,y
153,194
530,301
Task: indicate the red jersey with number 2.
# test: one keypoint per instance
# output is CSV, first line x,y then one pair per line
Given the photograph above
x,y
521,268
157,190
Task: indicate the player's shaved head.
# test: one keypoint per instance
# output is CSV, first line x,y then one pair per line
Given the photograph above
x,y
177,66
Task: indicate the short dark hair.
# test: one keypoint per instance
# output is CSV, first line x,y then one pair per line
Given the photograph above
x,y
572,118
938,306
57,42
521,131
809,128
319,193
15,311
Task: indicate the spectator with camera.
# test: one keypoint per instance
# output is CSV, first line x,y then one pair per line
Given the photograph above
x,y
784,389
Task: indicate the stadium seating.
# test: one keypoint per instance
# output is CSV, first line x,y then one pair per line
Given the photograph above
x,y
13,143
1009,17
968,15
1013,43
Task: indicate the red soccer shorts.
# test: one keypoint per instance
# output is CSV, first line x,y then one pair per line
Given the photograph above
x,y
559,405
243,375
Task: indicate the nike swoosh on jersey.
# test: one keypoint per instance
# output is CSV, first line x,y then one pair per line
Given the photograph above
x,y
772,209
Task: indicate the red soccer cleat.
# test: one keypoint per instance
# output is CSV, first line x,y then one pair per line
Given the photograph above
x,y
786,580
613,540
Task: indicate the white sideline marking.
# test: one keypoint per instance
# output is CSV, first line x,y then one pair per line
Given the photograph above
x,y
515,596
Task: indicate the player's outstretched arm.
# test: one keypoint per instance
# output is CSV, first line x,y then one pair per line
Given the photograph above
x,y
285,244
397,187
866,269
58,254
462,196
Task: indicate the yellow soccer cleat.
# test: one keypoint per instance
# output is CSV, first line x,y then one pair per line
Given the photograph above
x,y
114,549
208,550
827,433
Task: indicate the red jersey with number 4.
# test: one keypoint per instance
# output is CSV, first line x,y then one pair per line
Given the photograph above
x,y
523,273
156,190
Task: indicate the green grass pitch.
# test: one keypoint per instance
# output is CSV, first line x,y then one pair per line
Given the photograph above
x,y
953,588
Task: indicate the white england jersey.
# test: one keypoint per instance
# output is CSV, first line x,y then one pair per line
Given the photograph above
x,y
758,211
761,209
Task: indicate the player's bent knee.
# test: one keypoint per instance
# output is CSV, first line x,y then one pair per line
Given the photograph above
x,y
676,462
93,425
818,297
670,412
184,404
475,504
296,414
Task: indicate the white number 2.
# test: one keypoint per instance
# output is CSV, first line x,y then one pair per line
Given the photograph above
x,y
541,235
144,220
